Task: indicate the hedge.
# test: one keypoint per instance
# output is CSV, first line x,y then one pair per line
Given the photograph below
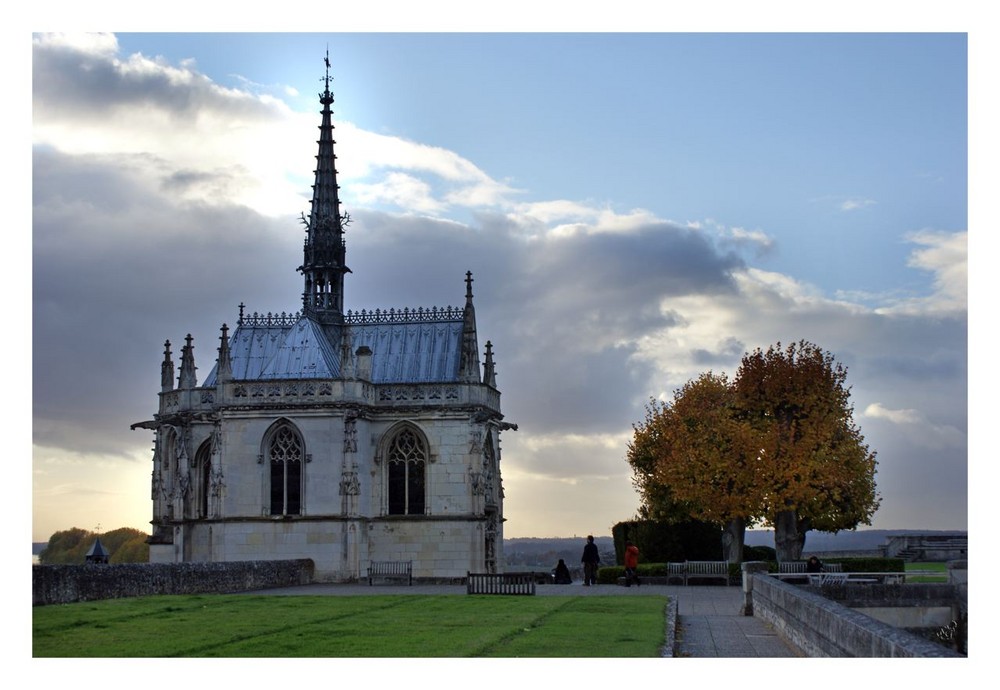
x,y
662,542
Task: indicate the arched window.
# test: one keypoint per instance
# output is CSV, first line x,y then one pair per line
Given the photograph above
x,y
285,457
406,460
203,461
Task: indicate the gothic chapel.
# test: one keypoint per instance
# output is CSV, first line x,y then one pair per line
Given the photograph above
x,y
342,437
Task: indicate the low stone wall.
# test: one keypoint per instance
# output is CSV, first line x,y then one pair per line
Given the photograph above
x,y
824,628
63,584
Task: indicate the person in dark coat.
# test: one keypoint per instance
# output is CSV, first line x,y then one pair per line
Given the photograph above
x,y
591,559
561,574
814,565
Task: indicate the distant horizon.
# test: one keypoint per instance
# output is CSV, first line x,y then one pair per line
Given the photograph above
x,y
608,535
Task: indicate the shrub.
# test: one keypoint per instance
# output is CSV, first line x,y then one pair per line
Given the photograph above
x,y
870,565
610,574
759,553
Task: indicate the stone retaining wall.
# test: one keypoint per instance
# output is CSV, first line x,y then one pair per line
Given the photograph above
x,y
63,584
824,628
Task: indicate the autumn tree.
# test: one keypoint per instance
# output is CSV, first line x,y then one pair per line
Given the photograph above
x,y
777,445
699,454
821,474
657,500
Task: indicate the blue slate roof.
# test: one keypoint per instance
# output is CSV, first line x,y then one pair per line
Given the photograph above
x,y
411,352
418,351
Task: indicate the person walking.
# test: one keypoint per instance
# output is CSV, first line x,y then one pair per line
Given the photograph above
x,y
631,563
591,559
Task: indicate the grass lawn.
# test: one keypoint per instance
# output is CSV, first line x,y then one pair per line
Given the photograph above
x,y
363,626
925,566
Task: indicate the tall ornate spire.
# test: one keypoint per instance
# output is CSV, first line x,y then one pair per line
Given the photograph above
x,y
323,266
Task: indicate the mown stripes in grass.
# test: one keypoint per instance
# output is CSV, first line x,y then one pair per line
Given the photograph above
x,y
368,626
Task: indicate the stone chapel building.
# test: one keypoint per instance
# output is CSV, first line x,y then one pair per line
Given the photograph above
x,y
343,437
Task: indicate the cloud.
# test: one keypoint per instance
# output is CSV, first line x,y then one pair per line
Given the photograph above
x,y
756,239
878,411
945,256
157,210
923,431
855,204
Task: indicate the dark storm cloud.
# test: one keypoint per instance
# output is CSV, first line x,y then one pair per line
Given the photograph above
x,y
117,269
75,84
724,354
948,365
560,311
590,291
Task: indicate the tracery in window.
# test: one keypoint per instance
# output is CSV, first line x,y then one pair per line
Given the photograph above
x,y
284,452
406,460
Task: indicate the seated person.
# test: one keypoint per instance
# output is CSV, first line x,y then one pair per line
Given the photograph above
x,y
814,565
561,573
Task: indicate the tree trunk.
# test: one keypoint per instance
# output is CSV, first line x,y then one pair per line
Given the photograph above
x,y
732,540
789,538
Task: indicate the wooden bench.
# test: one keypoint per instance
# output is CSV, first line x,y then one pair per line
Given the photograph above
x,y
827,578
800,567
794,572
676,571
707,570
500,583
390,570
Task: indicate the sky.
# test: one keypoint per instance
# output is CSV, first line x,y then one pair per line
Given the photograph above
x,y
636,209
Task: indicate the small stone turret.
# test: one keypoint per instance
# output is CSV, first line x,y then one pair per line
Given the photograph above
x,y
224,365
489,369
166,370
187,379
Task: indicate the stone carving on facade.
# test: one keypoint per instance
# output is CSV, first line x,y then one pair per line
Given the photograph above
x,y
218,482
491,543
477,483
159,491
182,436
216,488
488,483
351,432
350,485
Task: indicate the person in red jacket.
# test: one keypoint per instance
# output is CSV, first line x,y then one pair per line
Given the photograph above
x,y
631,563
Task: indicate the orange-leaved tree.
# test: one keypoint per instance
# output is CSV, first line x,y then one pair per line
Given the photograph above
x,y
701,455
777,445
820,473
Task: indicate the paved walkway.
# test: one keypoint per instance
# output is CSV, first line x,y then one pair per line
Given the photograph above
x,y
706,620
